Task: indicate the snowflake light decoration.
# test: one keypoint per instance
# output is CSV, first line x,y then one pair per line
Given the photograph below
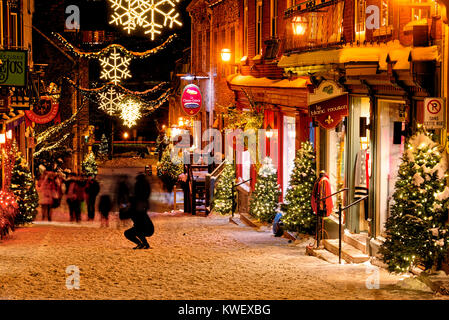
x,y
144,13
110,101
130,112
115,67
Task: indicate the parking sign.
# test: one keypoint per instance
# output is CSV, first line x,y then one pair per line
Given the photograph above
x,y
434,113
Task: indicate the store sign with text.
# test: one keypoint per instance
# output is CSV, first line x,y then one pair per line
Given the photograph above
x,y
13,69
328,105
43,112
191,100
434,113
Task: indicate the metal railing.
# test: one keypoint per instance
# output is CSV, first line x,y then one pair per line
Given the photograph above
x,y
319,226
319,230
340,210
233,194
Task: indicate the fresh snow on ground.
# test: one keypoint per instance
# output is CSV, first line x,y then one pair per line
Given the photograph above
x,y
192,257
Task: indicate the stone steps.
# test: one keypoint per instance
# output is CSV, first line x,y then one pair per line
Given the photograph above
x,y
349,253
358,241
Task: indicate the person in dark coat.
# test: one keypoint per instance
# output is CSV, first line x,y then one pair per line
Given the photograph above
x,y
105,206
92,190
143,226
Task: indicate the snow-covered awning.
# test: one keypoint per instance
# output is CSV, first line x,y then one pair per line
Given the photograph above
x,y
393,51
250,81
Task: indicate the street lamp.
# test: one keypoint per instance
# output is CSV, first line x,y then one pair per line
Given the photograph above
x,y
269,132
126,135
226,55
299,26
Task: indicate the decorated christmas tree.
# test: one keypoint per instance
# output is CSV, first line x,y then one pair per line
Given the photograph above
x,y
299,216
169,168
24,189
416,230
222,202
265,197
103,149
89,165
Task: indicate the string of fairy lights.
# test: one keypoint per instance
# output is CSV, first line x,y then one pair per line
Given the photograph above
x,y
113,98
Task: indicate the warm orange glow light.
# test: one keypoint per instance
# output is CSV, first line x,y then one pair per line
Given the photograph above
x,y
226,55
298,26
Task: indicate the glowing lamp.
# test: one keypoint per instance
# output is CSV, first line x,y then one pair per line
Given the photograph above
x,y
269,132
126,135
9,134
226,55
2,138
299,26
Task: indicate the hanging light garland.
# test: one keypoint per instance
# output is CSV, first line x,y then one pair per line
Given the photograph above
x,y
129,14
110,101
113,47
119,88
130,111
115,67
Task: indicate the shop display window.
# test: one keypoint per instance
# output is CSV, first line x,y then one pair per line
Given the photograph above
x,y
389,157
336,160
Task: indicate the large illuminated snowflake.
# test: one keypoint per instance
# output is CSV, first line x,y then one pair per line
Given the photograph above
x,y
110,101
147,14
130,112
115,67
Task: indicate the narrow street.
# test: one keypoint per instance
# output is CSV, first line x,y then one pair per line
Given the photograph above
x,y
191,257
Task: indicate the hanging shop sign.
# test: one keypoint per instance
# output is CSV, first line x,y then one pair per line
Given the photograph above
x,y
13,70
328,104
44,111
434,113
191,100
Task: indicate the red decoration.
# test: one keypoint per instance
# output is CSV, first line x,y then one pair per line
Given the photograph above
x,y
191,100
322,189
44,112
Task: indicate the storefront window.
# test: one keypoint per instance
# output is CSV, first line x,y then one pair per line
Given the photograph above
x,y
289,151
389,157
246,165
336,160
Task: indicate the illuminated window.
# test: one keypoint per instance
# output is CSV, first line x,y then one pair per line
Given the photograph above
x,y
258,26
245,28
273,17
13,31
384,13
1,24
360,15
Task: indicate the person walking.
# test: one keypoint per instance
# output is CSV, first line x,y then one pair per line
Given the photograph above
x,y
46,192
105,206
75,195
143,226
92,189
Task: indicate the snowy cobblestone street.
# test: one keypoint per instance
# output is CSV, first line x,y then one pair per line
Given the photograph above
x,y
192,257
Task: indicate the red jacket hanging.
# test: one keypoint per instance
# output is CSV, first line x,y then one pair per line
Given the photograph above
x,y
322,189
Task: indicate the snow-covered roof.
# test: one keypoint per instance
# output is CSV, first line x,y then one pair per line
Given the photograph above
x,y
381,53
250,81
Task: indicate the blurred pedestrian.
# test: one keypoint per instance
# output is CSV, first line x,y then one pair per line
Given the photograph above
x,y
105,206
143,226
75,196
92,189
46,193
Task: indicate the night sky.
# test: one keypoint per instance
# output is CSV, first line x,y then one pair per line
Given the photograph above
x,y
95,15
